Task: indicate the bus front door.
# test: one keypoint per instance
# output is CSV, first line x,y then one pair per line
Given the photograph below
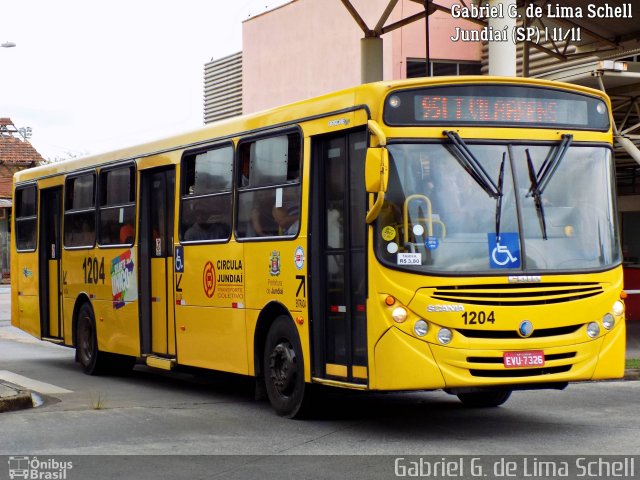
x,y
156,256
49,263
339,258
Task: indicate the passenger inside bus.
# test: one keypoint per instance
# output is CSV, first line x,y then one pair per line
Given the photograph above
x,y
287,219
206,225
86,234
127,233
262,221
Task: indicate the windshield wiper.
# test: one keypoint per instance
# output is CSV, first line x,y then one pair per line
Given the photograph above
x,y
499,199
472,166
540,180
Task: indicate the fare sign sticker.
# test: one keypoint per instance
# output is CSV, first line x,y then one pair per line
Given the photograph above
x,y
532,358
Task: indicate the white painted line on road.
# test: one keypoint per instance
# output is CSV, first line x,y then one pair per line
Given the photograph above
x,y
31,384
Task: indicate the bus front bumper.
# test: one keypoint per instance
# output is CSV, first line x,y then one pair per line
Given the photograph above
x,y
403,362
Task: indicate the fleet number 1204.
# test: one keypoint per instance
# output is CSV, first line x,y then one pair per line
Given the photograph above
x,y
93,270
478,318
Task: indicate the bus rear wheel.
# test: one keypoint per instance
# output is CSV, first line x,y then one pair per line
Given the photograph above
x,y
487,399
284,369
92,360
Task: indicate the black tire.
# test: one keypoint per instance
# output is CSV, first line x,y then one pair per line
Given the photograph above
x,y
283,368
488,399
93,361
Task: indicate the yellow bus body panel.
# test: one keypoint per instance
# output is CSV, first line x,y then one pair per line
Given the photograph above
x,y
210,318
117,326
402,362
54,298
25,295
585,358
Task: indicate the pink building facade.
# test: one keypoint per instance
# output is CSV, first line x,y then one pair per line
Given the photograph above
x,y
307,48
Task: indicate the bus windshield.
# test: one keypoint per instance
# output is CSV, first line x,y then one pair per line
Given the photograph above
x,y
460,207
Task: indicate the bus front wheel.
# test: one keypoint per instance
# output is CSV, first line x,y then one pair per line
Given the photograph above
x,y
487,399
89,356
284,369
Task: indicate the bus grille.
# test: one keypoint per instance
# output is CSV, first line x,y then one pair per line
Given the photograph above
x,y
509,334
517,294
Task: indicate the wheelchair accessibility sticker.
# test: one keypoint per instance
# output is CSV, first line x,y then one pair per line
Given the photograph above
x,y
506,253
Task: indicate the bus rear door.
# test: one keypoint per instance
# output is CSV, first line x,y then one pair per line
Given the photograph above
x,y
49,255
156,262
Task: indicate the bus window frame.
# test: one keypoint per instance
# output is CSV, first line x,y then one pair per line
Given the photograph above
x,y
29,218
67,179
238,189
186,155
131,164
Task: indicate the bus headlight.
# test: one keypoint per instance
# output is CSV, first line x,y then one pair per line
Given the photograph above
x,y
421,328
399,314
618,308
593,329
444,336
608,321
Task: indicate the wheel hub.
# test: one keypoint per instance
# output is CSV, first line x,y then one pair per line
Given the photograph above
x,y
283,368
85,342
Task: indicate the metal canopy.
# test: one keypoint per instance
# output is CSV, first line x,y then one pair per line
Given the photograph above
x,y
575,59
371,44
380,28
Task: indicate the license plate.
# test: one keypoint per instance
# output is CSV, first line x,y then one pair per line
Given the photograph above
x,y
532,358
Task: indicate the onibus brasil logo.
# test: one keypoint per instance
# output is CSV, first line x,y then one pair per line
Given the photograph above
x,y
32,468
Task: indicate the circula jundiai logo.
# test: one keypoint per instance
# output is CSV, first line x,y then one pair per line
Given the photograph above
x,y
209,279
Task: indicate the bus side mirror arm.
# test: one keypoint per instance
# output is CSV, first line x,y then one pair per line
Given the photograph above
x,y
376,171
374,211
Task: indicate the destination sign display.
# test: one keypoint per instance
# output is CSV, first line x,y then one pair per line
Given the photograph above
x,y
503,105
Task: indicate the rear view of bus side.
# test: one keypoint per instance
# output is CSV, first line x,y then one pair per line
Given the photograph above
x,y
452,233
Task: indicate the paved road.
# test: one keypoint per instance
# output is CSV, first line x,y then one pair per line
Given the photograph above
x,y
154,413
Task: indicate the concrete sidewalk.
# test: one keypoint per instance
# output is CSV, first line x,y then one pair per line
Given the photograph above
x,y
13,397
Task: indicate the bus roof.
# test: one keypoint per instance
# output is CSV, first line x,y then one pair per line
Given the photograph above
x,y
371,94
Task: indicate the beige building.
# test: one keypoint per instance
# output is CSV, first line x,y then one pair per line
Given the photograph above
x,y
306,48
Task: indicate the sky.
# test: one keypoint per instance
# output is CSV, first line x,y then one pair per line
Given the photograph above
x,y
94,76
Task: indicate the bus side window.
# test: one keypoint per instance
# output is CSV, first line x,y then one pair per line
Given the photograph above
x,y
205,213
80,211
269,187
26,218
117,210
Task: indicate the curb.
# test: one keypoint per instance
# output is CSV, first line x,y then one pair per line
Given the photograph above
x,y
632,374
14,398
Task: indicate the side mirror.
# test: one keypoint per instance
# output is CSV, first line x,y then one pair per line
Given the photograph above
x,y
376,170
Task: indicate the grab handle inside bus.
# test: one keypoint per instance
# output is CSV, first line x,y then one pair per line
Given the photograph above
x,y
376,170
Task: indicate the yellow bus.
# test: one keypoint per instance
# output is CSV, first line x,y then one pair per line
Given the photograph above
x,y
453,233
